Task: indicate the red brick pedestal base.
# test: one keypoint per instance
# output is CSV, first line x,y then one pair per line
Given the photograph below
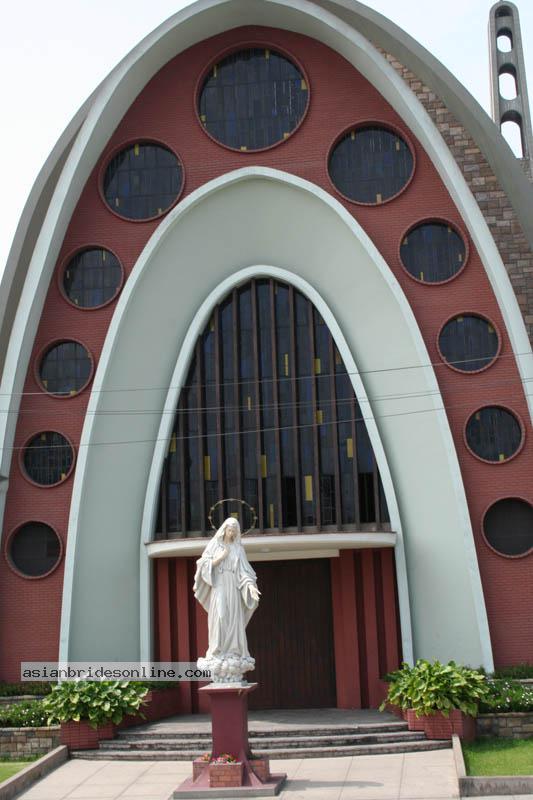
x,y
229,725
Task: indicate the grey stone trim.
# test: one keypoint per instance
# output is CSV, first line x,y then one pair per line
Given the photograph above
x,y
27,776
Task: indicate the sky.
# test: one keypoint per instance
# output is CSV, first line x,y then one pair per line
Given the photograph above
x,y
54,53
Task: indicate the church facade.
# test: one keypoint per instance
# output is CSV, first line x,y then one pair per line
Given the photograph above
x,y
278,267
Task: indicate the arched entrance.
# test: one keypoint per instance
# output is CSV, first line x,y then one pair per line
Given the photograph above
x,y
361,305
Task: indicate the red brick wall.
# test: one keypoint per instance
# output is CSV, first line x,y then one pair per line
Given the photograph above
x,y
340,97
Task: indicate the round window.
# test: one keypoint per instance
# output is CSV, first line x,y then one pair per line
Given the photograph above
x,y
48,458
433,252
92,278
508,526
65,369
142,181
252,99
468,343
493,433
35,549
370,164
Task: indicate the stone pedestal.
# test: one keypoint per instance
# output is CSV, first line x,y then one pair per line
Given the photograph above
x,y
229,718
229,725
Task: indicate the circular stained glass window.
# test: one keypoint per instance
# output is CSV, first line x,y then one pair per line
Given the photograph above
x,y
468,343
252,99
142,181
493,433
65,369
370,164
433,252
34,549
48,458
92,278
508,526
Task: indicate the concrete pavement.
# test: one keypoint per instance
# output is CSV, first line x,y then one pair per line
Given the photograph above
x,y
403,776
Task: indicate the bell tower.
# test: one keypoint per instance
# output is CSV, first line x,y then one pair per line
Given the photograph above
x,y
509,96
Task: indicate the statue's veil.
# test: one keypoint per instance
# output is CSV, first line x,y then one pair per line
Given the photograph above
x,y
219,536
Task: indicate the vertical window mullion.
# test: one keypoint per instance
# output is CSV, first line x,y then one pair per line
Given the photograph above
x,y
357,503
255,324
275,399
296,436
201,433
335,432
375,482
218,401
181,428
237,392
316,450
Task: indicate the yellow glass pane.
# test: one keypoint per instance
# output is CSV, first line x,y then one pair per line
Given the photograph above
x,y
349,448
207,468
309,488
263,466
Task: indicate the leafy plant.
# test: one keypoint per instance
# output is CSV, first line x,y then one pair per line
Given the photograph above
x,y
28,714
27,687
504,696
430,687
97,702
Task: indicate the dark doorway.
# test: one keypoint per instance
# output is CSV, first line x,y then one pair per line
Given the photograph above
x,y
291,636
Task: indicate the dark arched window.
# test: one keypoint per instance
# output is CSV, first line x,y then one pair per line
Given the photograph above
x,y
269,416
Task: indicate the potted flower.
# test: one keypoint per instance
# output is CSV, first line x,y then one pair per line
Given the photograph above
x,y
89,710
225,771
439,699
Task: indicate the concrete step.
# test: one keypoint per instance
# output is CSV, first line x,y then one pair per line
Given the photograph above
x,y
147,732
409,746
274,743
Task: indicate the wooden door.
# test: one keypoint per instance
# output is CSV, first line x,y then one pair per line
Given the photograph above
x,y
291,636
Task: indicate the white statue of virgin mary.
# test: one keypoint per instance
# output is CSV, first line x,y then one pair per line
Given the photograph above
x,y
226,586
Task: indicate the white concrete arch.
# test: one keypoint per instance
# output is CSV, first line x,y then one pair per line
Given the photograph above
x,y
256,220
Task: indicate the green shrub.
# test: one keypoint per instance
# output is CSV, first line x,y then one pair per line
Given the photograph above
x,y
28,714
97,702
518,671
430,687
27,687
507,696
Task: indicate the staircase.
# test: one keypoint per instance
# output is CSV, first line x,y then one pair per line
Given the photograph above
x,y
149,742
